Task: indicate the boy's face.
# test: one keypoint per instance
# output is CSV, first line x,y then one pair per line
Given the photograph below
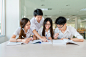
x,y
61,27
38,18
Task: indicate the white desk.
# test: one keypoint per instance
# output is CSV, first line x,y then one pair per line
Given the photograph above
x,y
42,50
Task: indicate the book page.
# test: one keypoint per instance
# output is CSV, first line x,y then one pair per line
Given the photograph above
x,y
59,42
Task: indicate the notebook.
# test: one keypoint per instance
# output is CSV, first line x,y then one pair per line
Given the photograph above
x,y
63,42
15,43
49,42
31,42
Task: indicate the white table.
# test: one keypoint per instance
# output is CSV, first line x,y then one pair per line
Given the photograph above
x,y
43,50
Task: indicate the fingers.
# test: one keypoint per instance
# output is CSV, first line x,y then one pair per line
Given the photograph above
x,y
56,35
45,40
27,40
45,37
50,38
55,38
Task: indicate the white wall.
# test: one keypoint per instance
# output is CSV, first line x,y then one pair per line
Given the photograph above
x,y
12,17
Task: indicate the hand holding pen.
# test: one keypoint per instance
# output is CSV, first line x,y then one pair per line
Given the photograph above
x,y
56,35
31,37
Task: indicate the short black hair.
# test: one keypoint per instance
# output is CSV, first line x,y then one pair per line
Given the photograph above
x,y
61,20
38,12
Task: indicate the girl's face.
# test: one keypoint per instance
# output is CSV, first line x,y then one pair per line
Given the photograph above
x,y
47,25
27,26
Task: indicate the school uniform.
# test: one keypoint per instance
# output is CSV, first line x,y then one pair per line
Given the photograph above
x,y
69,33
28,34
47,34
35,25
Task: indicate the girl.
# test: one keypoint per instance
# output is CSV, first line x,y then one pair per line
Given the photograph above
x,y
23,32
47,30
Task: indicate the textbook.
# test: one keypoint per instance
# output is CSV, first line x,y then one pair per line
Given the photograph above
x,y
15,43
31,42
64,42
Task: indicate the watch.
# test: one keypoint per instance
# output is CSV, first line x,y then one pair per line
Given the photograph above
x,y
69,38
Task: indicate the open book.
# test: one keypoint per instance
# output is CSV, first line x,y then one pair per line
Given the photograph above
x,y
31,42
64,42
15,43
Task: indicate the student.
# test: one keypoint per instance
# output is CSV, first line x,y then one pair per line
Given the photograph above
x,y
66,32
23,32
47,29
37,23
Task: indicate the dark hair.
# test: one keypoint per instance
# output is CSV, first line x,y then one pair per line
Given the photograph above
x,y
51,29
61,20
23,22
38,12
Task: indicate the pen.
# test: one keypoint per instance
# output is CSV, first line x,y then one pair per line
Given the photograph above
x,y
31,37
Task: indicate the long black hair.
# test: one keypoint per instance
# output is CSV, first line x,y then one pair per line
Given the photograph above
x,y
51,27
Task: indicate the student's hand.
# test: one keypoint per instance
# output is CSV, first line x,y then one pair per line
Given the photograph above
x,y
56,35
50,38
62,38
26,40
34,37
30,39
37,38
44,39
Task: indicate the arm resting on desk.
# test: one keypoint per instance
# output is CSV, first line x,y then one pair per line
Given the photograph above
x,y
74,39
13,39
77,40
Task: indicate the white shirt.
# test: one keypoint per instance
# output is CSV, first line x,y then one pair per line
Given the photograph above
x,y
28,34
35,24
47,34
69,33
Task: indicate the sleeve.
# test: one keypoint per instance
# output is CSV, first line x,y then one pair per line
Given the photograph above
x,y
32,33
40,31
76,34
17,31
33,26
56,31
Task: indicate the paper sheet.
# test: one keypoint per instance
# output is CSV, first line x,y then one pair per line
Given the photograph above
x,y
14,43
59,42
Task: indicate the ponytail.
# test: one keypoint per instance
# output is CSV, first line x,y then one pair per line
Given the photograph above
x,y
22,35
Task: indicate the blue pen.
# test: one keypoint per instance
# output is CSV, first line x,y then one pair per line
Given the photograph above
x,y
46,36
37,42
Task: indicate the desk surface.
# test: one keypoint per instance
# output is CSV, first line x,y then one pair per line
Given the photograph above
x,y
43,50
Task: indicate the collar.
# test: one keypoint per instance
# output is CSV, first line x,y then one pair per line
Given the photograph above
x,y
48,30
35,20
67,29
27,31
